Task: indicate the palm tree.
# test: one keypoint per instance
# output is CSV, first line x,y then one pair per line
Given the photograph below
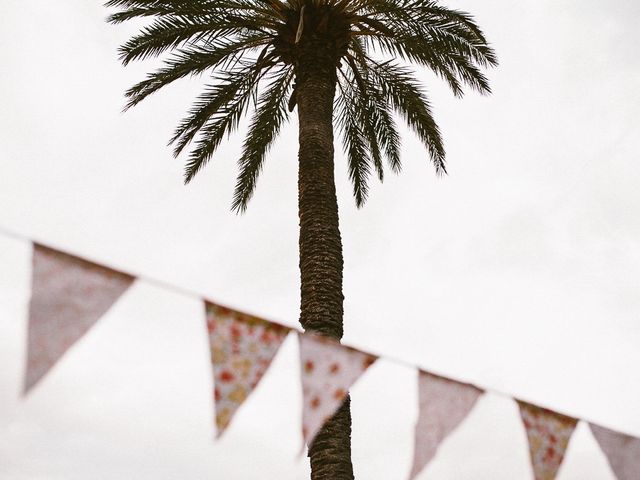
x,y
269,56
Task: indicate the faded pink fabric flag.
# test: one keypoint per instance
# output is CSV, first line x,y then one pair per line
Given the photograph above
x,y
242,348
622,451
443,405
68,295
548,433
328,369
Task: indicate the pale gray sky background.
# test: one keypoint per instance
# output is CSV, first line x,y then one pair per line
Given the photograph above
x,y
518,272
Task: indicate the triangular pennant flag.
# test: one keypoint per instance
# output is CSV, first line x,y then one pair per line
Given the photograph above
x,y
242,348
622,451
68,295
328,369
443,404
548,433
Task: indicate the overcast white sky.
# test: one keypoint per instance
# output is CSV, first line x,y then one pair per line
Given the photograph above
x,y
518,272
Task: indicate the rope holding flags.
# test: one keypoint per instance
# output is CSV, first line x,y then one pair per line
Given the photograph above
x,y
70,294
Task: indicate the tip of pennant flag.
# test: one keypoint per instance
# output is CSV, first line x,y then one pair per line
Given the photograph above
x,y
28,385
303,449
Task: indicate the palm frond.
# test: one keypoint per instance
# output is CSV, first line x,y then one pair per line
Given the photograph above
x,y
445,41
385,126
359,90
217,112
270,115
403,92
166,33
180,8
375,110
353,140
223,37
193,60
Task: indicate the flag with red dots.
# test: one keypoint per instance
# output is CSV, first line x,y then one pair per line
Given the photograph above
x,y
242,348
548,433
328,370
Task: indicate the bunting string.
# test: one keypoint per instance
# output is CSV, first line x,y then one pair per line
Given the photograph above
x,y
166,285
70,294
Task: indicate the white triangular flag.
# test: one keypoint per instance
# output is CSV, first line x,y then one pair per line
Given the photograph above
x,y
328,369
443,405
68,296
548,434
622,451
242,348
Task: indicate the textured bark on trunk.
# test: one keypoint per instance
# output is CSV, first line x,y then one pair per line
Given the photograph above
x,y
321,262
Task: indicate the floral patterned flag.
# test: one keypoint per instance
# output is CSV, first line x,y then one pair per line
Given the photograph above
x,y
443,405
242,348
68,295
328,370
622,451
548,434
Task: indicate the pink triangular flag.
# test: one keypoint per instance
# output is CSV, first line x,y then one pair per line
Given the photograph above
x,y
68,296
242,348
622,451
328,370
443,404
548,433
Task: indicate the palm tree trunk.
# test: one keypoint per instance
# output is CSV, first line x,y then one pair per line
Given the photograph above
x,y
320,244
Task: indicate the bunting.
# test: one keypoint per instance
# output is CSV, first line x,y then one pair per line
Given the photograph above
x,y
622,452
548,434
242,348
443,405
328,369
68,296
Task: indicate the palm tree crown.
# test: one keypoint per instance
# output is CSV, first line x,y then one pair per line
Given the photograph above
x,y
251,49
344,63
